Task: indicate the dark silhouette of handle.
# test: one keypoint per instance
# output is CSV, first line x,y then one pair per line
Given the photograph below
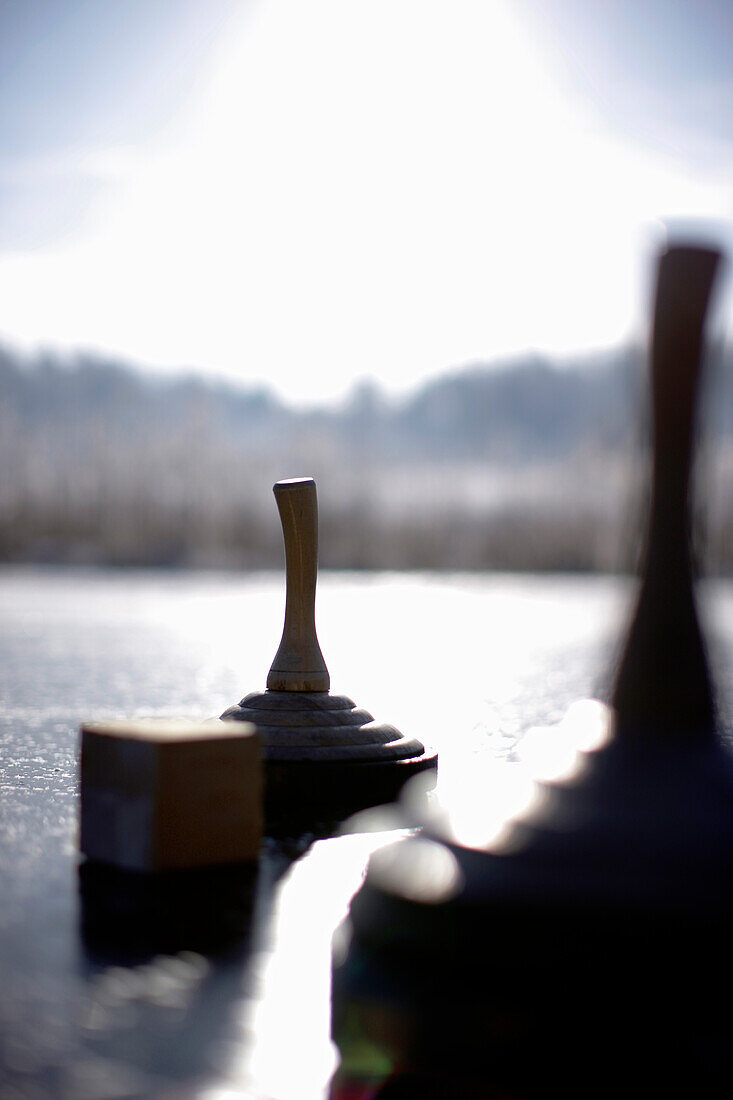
x,y
299,663
663,684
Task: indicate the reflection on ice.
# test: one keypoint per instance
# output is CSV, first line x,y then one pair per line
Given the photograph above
x,y
476,806
285,1051
431,875
555,752
473,811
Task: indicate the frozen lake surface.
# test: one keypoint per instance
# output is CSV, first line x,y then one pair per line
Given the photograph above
x,y
467,663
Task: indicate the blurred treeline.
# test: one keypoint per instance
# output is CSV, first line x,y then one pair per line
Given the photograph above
x,y
517,465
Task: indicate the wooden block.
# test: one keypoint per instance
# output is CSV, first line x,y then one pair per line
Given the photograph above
x,y
158,794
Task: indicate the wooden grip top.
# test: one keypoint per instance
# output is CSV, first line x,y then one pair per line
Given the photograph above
x,y
299,663
663,684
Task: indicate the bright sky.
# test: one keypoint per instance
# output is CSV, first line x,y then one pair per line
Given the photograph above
x,y
307,194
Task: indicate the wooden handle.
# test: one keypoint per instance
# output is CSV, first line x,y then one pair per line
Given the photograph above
x,y
299,664
684,286
663,684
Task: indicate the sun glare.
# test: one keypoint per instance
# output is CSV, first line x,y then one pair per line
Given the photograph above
x,y
385,189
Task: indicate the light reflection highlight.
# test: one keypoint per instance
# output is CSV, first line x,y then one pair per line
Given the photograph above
x,y
422,871
471,811
477,806
554,753
281,1046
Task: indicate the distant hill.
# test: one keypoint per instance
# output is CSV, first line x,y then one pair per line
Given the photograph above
x,y
525,463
